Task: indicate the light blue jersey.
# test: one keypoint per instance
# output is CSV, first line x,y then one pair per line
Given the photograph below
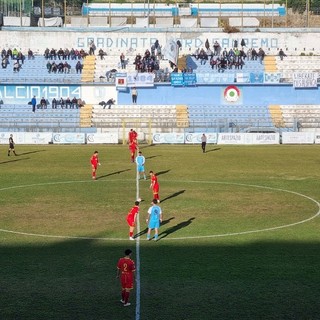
x,y
140,160
154,217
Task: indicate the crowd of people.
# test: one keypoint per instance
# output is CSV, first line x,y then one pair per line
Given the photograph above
x,y
62,103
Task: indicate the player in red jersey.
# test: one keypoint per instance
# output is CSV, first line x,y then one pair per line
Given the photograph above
x,y
132,135
133,149
126,269
94,164
154,186
131,219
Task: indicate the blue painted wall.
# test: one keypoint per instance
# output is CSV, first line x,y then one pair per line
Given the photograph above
x,y
250,95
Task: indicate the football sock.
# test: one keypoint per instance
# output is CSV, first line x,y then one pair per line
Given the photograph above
x,y
131,234
126,296
123,295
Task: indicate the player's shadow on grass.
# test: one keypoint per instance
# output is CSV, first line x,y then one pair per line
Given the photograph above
x,y
30,152
162,172
147,158
113,173
142,232
15,160
175,228
215,149
173,195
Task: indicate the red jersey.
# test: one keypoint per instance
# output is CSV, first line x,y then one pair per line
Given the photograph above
x,y
133,146
131,217
126,267
154,180
94,160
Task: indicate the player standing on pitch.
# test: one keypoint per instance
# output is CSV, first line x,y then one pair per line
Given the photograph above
x,y
154,186
140,161
126,269
131,218
94,164
154,219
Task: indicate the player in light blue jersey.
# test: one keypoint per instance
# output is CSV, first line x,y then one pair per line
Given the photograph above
x,y
140,161
154,219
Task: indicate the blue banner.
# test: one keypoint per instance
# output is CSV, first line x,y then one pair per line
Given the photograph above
x,y
256,77
183,79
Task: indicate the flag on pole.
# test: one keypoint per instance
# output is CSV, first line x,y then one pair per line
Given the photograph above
x,y
171,51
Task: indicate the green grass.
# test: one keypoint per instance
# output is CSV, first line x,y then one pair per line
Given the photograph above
x,y
210,263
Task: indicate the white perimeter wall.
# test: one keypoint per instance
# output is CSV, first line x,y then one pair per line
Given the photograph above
x,y
116,41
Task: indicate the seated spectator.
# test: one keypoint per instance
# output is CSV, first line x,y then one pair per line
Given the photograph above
x,y
79,67
53,54
203,57
30,55
213,62
67,54
43,103
282,54
74,103
9,53
66,67
16,66
60,54
68,103
62,103
49,65
60,67
101,54
81,103
54,103
20,57
4,62
15,53
54,67
3,53
254,54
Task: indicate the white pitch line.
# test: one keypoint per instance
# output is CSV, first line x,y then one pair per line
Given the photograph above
x,y
173,238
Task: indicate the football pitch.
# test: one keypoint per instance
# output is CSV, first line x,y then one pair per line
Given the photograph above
x,y
240,237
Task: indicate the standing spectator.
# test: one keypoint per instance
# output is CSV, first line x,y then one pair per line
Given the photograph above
x,y
126,269
140,161
34,103
74,103
62,103
101,54
54,103
203,143
94,164
92,48
68,103
154,219
261,55
133,149
11,146
131,219
154,186
134,94
122,61
282,54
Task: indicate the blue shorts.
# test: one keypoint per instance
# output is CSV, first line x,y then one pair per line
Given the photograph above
x,y
154,224
140,168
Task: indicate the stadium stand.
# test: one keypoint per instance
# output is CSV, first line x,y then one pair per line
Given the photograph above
x,y
20,117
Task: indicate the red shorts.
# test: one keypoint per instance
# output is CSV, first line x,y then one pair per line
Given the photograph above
x,y
127,281
130,222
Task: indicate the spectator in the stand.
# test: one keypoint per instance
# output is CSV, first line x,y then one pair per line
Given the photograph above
x,y
66,67
15,53
43,103
261,55
134,94
3,53
47,53
4,62
82,54
254,54
30,55
282,54
20,57
54,103
213,62
16,66
54,67
9,53
79,67
92,48
60,67
216,48
73,55
60,54
53,54
74,103
68,103
203,57
109,103
196,54
101,54
62,103
34,103
67,54
122,61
